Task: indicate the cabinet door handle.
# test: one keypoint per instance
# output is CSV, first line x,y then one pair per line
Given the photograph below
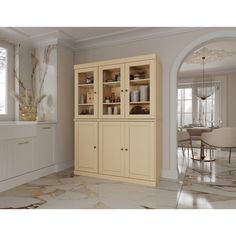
x,y
23,143
94,147
94,92
126,149
122,149
46,128
126,90
122,90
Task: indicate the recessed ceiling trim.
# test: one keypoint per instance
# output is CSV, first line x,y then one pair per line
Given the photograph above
x,y
108,35
132,36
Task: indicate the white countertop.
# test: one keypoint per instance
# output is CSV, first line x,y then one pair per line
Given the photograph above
x,y
26,122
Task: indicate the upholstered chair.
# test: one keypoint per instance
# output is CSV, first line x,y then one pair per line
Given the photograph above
x,y
224,137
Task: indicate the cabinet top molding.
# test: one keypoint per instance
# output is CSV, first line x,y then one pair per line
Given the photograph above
x,y
117,61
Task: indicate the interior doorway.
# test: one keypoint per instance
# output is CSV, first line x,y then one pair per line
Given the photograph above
x,y
195,44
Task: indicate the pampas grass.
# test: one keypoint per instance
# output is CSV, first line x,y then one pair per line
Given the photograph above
x,y
33,96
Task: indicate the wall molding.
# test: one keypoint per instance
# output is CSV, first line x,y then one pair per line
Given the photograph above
x,y
110,39
132,36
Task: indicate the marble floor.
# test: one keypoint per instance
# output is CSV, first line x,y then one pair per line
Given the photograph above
x,y
200,185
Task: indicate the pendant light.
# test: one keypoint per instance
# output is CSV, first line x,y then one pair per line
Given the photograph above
x,y
203,92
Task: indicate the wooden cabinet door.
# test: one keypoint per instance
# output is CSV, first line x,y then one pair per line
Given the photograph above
x,y
140,89
86,157
86,95
139,150
111,148
111,91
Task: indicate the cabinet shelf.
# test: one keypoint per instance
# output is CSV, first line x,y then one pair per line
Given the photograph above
x,y
86,104
140,102
85,85
111,103
140,81
113,83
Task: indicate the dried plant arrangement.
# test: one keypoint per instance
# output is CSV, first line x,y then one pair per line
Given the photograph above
x,y
30,98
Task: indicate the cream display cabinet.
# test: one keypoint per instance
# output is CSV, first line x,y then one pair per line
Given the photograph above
x,y
117,119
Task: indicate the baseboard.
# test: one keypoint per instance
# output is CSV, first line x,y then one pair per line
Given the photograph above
x,y
63,165
169,174
116,178
25,178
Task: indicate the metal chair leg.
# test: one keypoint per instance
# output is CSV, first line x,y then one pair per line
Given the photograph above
x,y
229,155
191,146
183,150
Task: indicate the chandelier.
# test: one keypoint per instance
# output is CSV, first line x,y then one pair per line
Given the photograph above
x,y
204,92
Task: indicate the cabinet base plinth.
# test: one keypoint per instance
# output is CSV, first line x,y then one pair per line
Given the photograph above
x,y
116,178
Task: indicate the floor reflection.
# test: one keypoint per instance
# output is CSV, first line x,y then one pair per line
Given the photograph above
x,y
207,184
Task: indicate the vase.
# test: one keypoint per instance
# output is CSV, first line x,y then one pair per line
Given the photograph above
x,y
28,113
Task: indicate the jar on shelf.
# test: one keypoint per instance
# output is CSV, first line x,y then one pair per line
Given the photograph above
x,y
113,97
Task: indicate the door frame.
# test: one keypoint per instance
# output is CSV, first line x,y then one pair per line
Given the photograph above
x,y
210,37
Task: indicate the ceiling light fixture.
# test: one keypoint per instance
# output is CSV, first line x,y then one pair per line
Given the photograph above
x,y
204,92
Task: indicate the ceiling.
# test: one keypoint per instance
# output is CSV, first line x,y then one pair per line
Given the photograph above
x,y
221,64
81,37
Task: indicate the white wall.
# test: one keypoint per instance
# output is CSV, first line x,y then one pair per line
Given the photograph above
x,y
65,109
47,109
167,48
231,99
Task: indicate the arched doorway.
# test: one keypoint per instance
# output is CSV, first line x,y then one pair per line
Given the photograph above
x,y
211,37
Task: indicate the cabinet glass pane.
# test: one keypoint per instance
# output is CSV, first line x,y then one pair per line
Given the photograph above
x,y
139,84
111,91
86,93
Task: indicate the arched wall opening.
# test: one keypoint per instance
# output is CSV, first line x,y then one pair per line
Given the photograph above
x,y
208,38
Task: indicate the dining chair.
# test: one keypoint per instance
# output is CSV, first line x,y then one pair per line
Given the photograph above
x,y
224,137
185,141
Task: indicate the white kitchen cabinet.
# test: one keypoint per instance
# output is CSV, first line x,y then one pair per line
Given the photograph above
x,y
44,146
27,155
16,157
23,156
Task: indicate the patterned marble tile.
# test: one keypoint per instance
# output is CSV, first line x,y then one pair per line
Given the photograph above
x,y
200,185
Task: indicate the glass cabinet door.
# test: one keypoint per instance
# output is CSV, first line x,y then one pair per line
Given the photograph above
x,y
139,92
111,91
86,93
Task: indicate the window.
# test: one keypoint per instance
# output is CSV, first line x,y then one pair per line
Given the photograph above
x,y
191,109
3,81
207,109
7,108
184,106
